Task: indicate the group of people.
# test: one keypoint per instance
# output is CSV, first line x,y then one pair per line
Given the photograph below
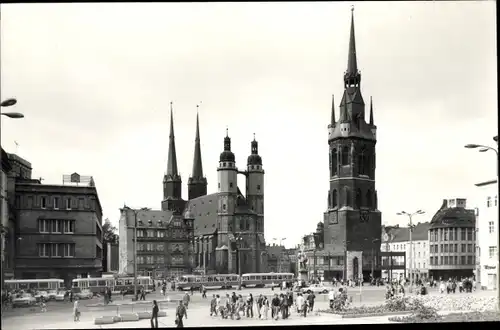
x,y
464,285
281,305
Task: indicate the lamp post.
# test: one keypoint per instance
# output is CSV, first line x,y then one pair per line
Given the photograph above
x,y
410,228
136,212
345,242
280,244
484,148
375,240
238,239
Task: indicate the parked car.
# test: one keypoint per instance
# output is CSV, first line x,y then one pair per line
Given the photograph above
x,y
60,296
84,294
52,294
40,294
316,288
24,299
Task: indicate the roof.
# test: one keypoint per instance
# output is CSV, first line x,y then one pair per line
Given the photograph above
x,y
453,217
402,234
6,167
480,184
156,218
274,251
204,210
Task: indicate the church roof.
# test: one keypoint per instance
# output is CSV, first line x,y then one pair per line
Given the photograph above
x,y
204,210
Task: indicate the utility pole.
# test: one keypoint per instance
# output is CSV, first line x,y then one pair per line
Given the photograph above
x,y
410,228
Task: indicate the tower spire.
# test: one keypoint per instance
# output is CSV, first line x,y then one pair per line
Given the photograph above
x,y
352,65
371,111
172,155
197,165
333,110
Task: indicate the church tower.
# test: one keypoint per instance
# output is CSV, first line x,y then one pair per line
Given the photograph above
x,y
172,183
227,188
255,183
352,222
197,183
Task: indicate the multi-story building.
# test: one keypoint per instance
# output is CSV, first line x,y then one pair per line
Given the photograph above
x,y
418,261
7,224
487,235
452,241
59,228
321,263
278,260
292,256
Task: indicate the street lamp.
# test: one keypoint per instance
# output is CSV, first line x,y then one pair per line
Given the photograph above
x,y
237,241
280,244
375,240
410,228
136,212
484,149
8,103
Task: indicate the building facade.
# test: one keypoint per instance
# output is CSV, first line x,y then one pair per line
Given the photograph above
x,y
59,228
487,235
352,222
227,227
278,259
418,261
110,260
452,241
7,224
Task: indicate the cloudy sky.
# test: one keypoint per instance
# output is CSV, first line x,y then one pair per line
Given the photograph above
x,y
95,81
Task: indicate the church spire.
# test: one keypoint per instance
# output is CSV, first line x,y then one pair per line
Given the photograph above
x,y
371,111
352,65
197,165
172,156
333,110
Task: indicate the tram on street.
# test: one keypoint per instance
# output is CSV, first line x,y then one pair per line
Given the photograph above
x,y
35,284
260,280
215,281
117,284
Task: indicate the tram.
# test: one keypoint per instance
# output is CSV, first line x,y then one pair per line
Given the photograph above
x,y
260,280
116,284
215,281
35,284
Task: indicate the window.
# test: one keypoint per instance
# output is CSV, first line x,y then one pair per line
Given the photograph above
x,y
441,248
334,199
469,248
488,202
68,203
496,200
445,234
43,226
56,226
43,250
160,247
68,226
149,260
219,185
462,260
345,155
140,233
160,259
258,187
492,251
463,248
455,260
451,234
140,247
456,248
491,227
43,202
469,234
151,233
149,247
140,259
56,250
56,203
463,233
469,260
161,233
445,261
230,185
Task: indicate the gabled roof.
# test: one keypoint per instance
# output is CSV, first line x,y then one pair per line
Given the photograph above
x,y
204,209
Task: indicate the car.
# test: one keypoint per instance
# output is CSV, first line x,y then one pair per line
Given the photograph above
x,y
24,299
52,294
60,296
316,288
84,294
40,294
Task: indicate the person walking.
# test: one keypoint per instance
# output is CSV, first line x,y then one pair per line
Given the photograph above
x,y
154,315
299,303
310,301
265,308
260,300
213,306
186,300
143,294
249,310
76,311
180,313
275,307
203,292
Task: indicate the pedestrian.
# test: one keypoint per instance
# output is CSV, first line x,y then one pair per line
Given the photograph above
x,y
186,300
299,303
43,305
71,296
265,308
179,314
275,304
154,315
249,310
260,300
76,311
213,306
204,291
310,300
143,294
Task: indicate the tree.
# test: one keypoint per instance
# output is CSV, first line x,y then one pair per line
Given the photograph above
x,y
109,233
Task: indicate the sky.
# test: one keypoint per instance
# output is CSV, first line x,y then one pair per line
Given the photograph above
x,y
95,80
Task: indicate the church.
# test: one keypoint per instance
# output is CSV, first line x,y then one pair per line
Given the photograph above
x,y
217,233
228,226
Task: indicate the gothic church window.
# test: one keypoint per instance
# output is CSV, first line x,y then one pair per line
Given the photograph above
x,y
333,162
258,187
358,198
369,198
361,163
334,199
345,155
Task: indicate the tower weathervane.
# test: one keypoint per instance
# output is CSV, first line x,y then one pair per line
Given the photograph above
x,y
227,132
352,8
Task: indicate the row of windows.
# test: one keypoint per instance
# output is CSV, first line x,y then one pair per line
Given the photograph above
x,y
158,247
56,226
491,227
231,185
56,250
151,260
176,224
244,225
452,248
453,260
490,202
57,203
150,233
492,251
452,234
341,157
402,246
359,201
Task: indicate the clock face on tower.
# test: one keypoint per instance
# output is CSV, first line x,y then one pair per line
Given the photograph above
x,y
385,237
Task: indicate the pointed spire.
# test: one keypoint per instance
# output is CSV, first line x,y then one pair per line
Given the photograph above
x,y
333,110
352,65
197,165
371,111
172,156
227,141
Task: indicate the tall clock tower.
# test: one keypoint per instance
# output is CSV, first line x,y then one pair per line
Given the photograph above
x,y
352,223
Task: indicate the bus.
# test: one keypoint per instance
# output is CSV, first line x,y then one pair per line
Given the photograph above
x,y
35,284
260,280
117,284
214,281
